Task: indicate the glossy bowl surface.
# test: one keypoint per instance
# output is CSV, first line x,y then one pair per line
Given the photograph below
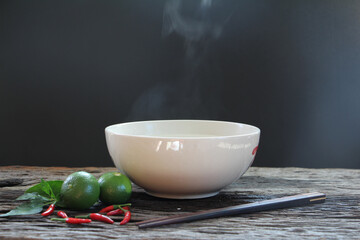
x,y
182,159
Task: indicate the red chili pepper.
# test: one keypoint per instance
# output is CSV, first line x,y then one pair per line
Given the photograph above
x,y
62,214
107,209
72,220
97,217
102,218
117,211
49,211
113,207
126,218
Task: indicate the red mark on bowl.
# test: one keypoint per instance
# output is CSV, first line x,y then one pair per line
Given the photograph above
x,y
254,151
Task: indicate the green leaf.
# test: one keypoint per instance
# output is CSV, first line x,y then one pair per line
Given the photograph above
x,y
47,189
32,207
54,185
32,196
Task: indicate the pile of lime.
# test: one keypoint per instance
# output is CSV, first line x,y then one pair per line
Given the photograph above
x,y
81,190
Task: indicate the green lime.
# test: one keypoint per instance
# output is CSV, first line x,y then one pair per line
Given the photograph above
x,y
115,188
80,190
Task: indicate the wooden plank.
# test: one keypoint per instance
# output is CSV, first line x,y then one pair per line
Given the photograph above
x,y
338,217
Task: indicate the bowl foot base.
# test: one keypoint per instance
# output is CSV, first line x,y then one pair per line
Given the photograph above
x,y
181,196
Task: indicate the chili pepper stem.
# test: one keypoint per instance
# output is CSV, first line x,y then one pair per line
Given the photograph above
x,y
124,205
124,209
72,220
83,216
58,219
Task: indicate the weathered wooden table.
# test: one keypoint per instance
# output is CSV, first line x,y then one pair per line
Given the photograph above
x,y
338,217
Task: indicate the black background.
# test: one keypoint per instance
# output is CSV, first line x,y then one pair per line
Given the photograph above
x,y
68,69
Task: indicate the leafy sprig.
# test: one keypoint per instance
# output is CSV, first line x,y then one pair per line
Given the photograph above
x,y
36,197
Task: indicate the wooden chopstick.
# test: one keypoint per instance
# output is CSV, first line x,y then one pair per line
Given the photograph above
x,y
277,203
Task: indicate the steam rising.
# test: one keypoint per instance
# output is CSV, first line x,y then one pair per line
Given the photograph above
x,y
183,98
191,29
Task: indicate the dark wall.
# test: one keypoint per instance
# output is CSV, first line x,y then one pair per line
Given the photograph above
x,y
70,68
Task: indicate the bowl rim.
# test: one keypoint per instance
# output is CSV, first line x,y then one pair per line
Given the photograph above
x,y
256,131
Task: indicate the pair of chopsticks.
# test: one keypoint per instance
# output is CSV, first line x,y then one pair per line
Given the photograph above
x,y
277,203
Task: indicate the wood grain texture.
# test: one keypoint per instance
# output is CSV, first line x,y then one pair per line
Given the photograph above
x,y
338,217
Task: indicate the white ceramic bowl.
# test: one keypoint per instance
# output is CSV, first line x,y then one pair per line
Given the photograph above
x,y
182,159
